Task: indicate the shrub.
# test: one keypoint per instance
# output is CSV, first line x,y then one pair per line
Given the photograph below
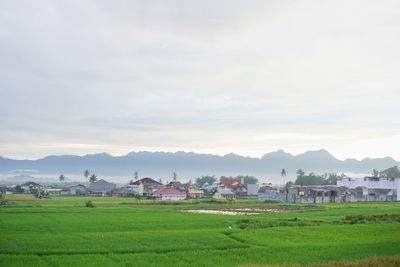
x,y
243,226
3,200
89,204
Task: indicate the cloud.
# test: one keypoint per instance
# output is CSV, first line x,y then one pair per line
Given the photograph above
x,y
210,76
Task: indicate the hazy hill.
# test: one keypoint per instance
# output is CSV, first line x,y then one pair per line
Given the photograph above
x,y
192,164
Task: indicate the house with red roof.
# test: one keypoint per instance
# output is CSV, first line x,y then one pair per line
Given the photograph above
x,y
234,185
149,185
169,193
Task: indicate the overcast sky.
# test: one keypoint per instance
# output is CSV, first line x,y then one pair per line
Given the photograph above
x,y
248,77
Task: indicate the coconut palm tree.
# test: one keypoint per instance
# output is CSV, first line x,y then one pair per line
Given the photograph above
x,y
86,174
283,174
92,178
61,178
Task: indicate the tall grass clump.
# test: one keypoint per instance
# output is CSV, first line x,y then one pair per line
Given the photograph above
x,y
89,204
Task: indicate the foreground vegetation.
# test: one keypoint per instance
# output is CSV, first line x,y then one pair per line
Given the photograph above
x,y
66,231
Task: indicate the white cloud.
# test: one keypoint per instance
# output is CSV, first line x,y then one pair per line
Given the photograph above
x,y
211,76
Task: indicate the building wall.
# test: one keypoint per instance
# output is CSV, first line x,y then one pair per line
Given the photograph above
x,y
252,189
272,196
294,198
173,197
103,187
77,190
381,184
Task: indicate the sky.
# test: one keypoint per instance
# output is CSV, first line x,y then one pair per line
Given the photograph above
x,y
248,77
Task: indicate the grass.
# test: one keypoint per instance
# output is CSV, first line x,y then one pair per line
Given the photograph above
x,y
372,262
62,231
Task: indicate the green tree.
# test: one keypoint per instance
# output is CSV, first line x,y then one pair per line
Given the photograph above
x,y
246,179
3,200
391,173
138,198
61,178
136,174
86,173
283,174
92,178
288,185
332,178
200,181
314,179
222,178
19,189
342,176
300,172
376,173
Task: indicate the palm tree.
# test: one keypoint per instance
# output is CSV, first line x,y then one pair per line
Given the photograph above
x,y
283,174
175,177
86,174
376,173
136,176
61,178
92,178
300,172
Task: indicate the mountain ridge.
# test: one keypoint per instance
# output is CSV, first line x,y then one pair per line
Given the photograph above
x,y
196,163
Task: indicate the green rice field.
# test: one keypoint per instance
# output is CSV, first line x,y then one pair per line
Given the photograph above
x,y
62,231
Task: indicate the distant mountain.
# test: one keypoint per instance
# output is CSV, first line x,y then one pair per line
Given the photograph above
x,y
19,179
189,164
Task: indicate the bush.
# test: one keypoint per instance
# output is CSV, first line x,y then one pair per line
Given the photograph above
x,y
89,204
243,226
3,200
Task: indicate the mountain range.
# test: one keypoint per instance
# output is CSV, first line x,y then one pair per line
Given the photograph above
x,y
190,164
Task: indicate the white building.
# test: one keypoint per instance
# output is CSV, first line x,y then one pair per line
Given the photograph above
x,y
252,189
169,193
137,189
373,183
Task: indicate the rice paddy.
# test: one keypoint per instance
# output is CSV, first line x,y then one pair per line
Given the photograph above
x,y
62,231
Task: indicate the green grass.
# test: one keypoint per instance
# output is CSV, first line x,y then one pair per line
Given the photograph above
x,y
62,231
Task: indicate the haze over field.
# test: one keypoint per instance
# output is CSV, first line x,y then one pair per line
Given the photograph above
x,y
162,165
208,76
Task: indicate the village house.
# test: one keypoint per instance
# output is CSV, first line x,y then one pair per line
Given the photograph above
x,y
235,186
149,185
3,188
208,188
325,194
31,187
52,191
101,187
169,193
252,189
122,192
272,193
74,190
224,194
374,183
193,192
136,189
177,185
